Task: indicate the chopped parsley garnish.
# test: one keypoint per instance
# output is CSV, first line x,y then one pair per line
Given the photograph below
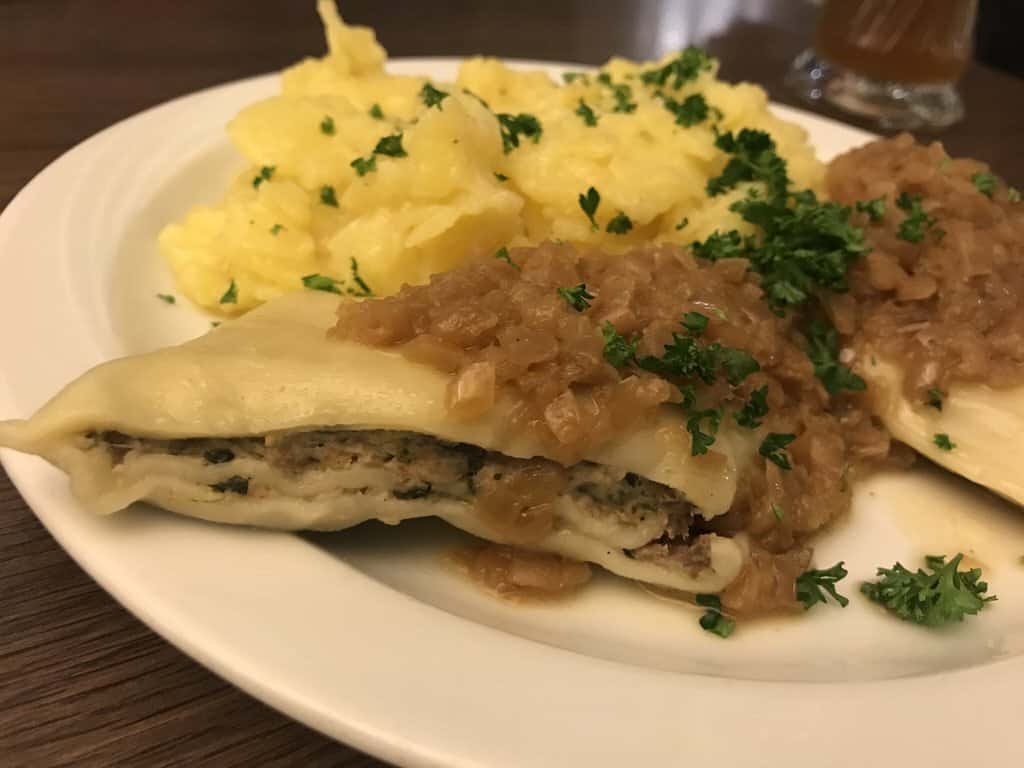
x,y
812,586
214,323
943,596
617,350
753,158
328,197
276,229
984,183
265,174
682,224
586,113
361,289
502,255
700,440
514,126
686,358
722,245
376,112
773,448
805,246
692,110
823,351
621,92
321,283
935,397
234,484
572,77
695,323
231,294
754,409
432,96
577,297
500,176
327,126
219,455
166,298
942,442
682,69
589,202
391,146
364,165
619,225
875,209
714,620
778,511
913,227
1013,195
737,363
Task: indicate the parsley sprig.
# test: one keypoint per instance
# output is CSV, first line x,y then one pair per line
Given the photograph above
x,y
713,620
752,158
941,595
823,350
432,97
589,201
577,297
814,586
682,69
773,448
514,126
917,222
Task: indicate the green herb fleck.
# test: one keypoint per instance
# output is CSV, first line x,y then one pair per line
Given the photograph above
x,y
691,111
276,229
214,323
823,351
875,209
700,440
376,112
778,511
234,484
617,350
586,113
514,126
812,586
589,202
231,294
265,174
943,442
621,93
985,183
754,409
943,596
391,146
328,197
695,323
577,297
321,283
361,289
913,227
432,96
935,397
772,448
364,165
572,77
619,225
682,69
219,455
166,298
502,255
682,224
717,623
327,126
753,158
722,245
500,176
1013,195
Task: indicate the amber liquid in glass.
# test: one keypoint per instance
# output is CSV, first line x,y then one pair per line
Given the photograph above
x,y
906,41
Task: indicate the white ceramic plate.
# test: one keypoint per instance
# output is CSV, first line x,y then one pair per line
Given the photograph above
x,y
367,637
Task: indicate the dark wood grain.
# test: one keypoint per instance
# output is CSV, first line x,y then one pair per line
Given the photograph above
x,y
81,681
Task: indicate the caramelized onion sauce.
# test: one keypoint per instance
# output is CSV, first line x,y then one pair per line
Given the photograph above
x,y
949,308
500,327
519,574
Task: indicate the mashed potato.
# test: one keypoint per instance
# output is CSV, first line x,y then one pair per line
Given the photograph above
x,y
460,182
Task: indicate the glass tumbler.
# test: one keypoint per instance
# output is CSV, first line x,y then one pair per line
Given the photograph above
x,y
896,61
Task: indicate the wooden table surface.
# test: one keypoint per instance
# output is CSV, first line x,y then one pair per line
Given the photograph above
x,y
82,682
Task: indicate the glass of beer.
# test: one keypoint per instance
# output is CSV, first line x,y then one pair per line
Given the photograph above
x,y
897,61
